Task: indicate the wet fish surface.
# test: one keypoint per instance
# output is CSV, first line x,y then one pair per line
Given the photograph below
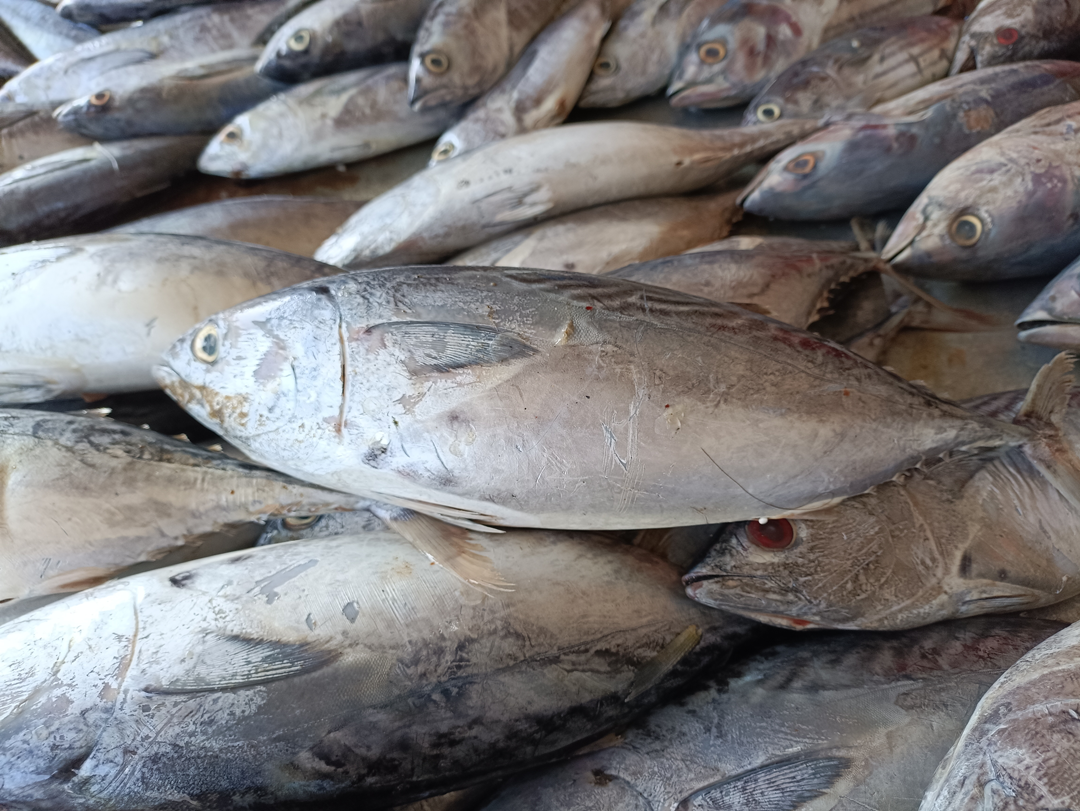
x,y
1002,31
27,134
108,12
1053,318
41,30
14,56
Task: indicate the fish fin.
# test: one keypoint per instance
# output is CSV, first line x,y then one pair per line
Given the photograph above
x,y
1043,412
782,786
209,70
650,673
449,546
106,61
467,519
230,661
937,314
59,162
989,597
437,346
27,387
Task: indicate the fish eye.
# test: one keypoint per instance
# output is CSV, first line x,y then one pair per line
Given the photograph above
x,y
299,521
605,66
232,134
768,112
1007,36
100,98
205,345
443,151
299,41
776,533
712,52
436,62
966,230
802,165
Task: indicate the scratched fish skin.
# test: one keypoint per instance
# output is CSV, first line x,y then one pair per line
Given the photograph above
x,y
87,497
540,90
860,70
337,119
1019,749
840,722
116,302
1053,318
1003,31
27,134
882,161
508,184
333,36
41,30
604,238
408,381
183,683
52,195
124,54
175,99
294,224
1005,209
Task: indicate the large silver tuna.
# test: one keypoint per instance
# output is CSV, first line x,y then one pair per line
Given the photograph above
x,y
335,668
508,184
1001,31
840,722
560,400
1053,318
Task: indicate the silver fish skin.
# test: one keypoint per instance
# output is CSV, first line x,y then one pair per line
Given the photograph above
x,y
86,497
601,239
777,244
334,36
446,67
1003,31
14,56
508,184
540,90
337,119
181,684
1005,209
41,30
622,406
176,99
111,12
882,160
987,533
1053,318
294,224
55,194
860,70
1019,749
27,134
124,54
116,302
839,722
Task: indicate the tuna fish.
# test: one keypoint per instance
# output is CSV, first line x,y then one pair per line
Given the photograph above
x,y
1001,31
27,134
1053,319
40,29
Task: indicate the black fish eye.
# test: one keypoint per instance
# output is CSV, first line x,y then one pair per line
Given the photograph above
x,y
768,112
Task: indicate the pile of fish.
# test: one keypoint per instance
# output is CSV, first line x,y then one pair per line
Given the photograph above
x,y
371,435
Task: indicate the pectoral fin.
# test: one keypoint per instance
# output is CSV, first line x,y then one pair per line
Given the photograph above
x,y
436,346
777,787
989,597
1043,412
660,665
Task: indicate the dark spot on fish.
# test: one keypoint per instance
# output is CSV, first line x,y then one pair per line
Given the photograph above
x,y
396,423
182,580
321,290
71,768
1003,574
239,559
334,753
979,119
374,455
351,610
965,565
600,778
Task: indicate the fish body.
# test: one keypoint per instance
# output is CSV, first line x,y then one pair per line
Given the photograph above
x,y
337,119
882,160
512,183
1053,318
110,12
41,30
27,134
1007,208
346,666
608,404
601,239
14,56
1002,31
860,70
836,722
116,301
540,90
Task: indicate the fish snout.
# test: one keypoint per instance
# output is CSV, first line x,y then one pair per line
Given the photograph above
x,y
899,248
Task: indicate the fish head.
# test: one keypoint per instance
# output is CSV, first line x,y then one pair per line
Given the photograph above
x,y
294,53
1053,318
621,70
1000,33
798,97
236,149
99,115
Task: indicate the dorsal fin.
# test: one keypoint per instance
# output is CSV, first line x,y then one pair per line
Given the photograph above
x,y
783,786
1043,412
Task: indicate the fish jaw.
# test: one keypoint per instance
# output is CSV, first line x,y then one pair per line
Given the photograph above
x,y
698,590
964,59
1053,318
705,96
899,250
1048,332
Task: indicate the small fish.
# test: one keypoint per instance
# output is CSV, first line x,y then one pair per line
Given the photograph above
x,y
337,119
601,239
508,184
1003,31
1053,318
1005,209
882,160
541,89
41,30
860,70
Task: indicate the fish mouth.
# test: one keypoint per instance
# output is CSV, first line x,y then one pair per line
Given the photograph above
x,y
1048,332
899,248
708,96
964,58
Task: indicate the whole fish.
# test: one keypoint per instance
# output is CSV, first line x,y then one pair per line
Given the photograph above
x,y
184,34
1053,319
1005,209
1019,750
609,404
41,30
337,119
447,68
508,184
333,36
860,70
984,533
27,134
110,12
540,90
86,498
175,99
1001,31
116,301
294,224
842,722
52,195
881,161
348,666
598,240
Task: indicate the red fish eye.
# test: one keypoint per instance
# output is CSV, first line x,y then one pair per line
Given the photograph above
x,y
776,533
1007,36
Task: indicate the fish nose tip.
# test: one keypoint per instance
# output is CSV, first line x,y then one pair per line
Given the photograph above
x,y
899,248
